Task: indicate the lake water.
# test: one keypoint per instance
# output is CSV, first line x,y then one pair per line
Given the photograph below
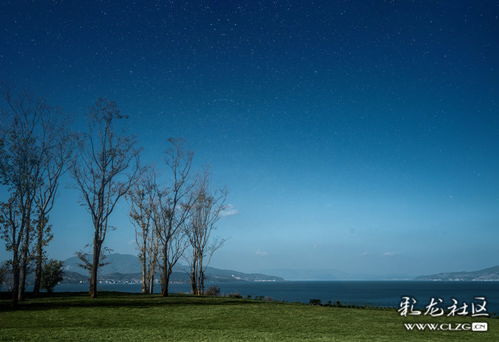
x,y
372,293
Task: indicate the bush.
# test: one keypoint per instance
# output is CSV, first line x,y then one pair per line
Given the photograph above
x,y
51,274
314,301
235,295
213,291
3,272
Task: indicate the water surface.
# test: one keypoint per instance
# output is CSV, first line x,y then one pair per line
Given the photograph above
x,y
372,293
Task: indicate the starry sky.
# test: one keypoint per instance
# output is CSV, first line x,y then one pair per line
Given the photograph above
x,y
353,136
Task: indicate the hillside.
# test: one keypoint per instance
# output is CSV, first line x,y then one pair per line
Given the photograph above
x,y
487,274
125,268
137,317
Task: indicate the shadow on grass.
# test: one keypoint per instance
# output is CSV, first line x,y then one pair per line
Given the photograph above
x,y
113,300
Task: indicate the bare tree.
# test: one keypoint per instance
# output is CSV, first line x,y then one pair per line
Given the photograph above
x,y
206,212
23,143
58,149
86,259
173,210
104,172
12,232
143,208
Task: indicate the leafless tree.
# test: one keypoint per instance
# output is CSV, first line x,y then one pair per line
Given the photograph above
x,y
104,172
58,149
23,145
173,210
206,212
13,232
143,197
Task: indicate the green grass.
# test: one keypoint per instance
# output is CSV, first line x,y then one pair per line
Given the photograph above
x,y
135,317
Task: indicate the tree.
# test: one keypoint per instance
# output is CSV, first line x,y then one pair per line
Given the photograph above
x,y
23,144
13,232
206,212
104,172
143,208
57,154
52,274
173,210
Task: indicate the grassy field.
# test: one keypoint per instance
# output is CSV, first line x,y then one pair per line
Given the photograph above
x,y
135,317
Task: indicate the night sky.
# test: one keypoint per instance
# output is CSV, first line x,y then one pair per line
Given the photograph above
x,y
357,136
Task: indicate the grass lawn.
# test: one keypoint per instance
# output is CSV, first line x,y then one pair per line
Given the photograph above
x,y
136,317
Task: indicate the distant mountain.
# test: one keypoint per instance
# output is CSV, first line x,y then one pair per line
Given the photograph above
x,y
310,274
117,263
332,274
73,277
487,274
125,268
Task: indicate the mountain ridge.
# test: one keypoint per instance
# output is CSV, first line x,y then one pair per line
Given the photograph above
x,y
486,274
126,268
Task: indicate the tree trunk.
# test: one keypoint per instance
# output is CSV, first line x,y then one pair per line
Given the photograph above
x,y
39,260
95,266
15,275
21,280
23,270
24,255
151,283
165,276
165,290
150,278
194,283
145,281
165,280
200,274
201,281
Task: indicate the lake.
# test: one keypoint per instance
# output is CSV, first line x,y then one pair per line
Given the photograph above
x,y
372,293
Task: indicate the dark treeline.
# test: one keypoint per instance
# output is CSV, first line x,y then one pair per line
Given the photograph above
x,y
173,218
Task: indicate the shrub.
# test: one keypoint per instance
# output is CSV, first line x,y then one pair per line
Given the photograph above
x,y
3,272
51,274
235,295
213,291
315,301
